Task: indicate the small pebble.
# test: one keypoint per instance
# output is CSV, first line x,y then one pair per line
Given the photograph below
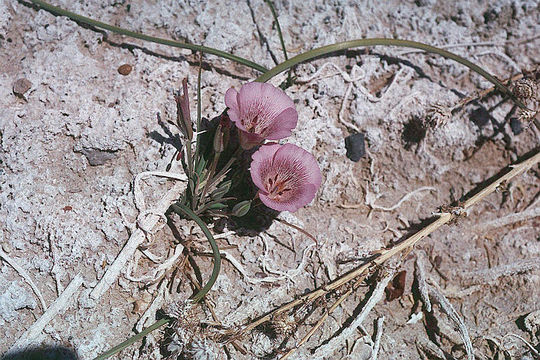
x,y
125,69
356,146
21,86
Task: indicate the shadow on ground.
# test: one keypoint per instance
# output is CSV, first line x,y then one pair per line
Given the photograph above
x,y
43,353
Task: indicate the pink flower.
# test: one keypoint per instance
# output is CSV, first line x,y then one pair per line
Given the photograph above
x,y
287,176
261,111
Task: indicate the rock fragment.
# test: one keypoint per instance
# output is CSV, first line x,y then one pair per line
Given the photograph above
x,y
125,69
356,146
21,86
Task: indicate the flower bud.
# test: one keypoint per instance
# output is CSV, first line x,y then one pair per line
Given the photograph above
x,y
182,112
217,206
219,144
241,208
221,190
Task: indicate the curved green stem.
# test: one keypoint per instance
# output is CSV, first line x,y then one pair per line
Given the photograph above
x,y
132,340
280,34
388,42
179,209
83,19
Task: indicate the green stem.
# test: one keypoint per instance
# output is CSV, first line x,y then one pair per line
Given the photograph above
x,y
211,172
309,55
199,114
118,30
132,339
280,34
179,209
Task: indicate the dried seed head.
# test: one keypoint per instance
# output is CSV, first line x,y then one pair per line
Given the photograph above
x,y
437,116
203,349
284,324
180,310
526,115
525,89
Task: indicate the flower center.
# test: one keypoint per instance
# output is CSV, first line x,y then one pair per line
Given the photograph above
x,y
277,187
251,126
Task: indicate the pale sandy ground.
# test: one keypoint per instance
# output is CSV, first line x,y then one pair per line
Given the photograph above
x,y
71,147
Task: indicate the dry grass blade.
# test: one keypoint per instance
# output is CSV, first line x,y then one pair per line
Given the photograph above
x,y
61,303
421,280
378,337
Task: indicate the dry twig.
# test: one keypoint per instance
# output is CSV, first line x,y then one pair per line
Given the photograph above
x,y
447,307
378,336
384,255
61,303
337,342
421,280
135,240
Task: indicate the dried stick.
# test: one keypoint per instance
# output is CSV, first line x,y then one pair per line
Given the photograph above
x,y
447,307
421,280
370,202
483,93
444,218
378,336
135,240
57,307
324,351
490,275
531,348
509,219
25,276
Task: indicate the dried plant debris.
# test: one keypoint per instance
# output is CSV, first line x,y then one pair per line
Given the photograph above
x,y
447,307
532,324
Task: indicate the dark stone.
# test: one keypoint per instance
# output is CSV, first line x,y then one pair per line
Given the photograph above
x,y
21,86
356,146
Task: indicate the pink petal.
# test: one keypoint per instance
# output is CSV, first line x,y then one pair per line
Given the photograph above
x,y
303,196
280,100
293,167
231,99
262,163
266,98
301,159
282,125
249,140
249,95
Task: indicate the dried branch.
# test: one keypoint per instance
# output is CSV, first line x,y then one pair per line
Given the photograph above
x,y
421,280
384,255
328,349
378,336
135,240
61,303
447,307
